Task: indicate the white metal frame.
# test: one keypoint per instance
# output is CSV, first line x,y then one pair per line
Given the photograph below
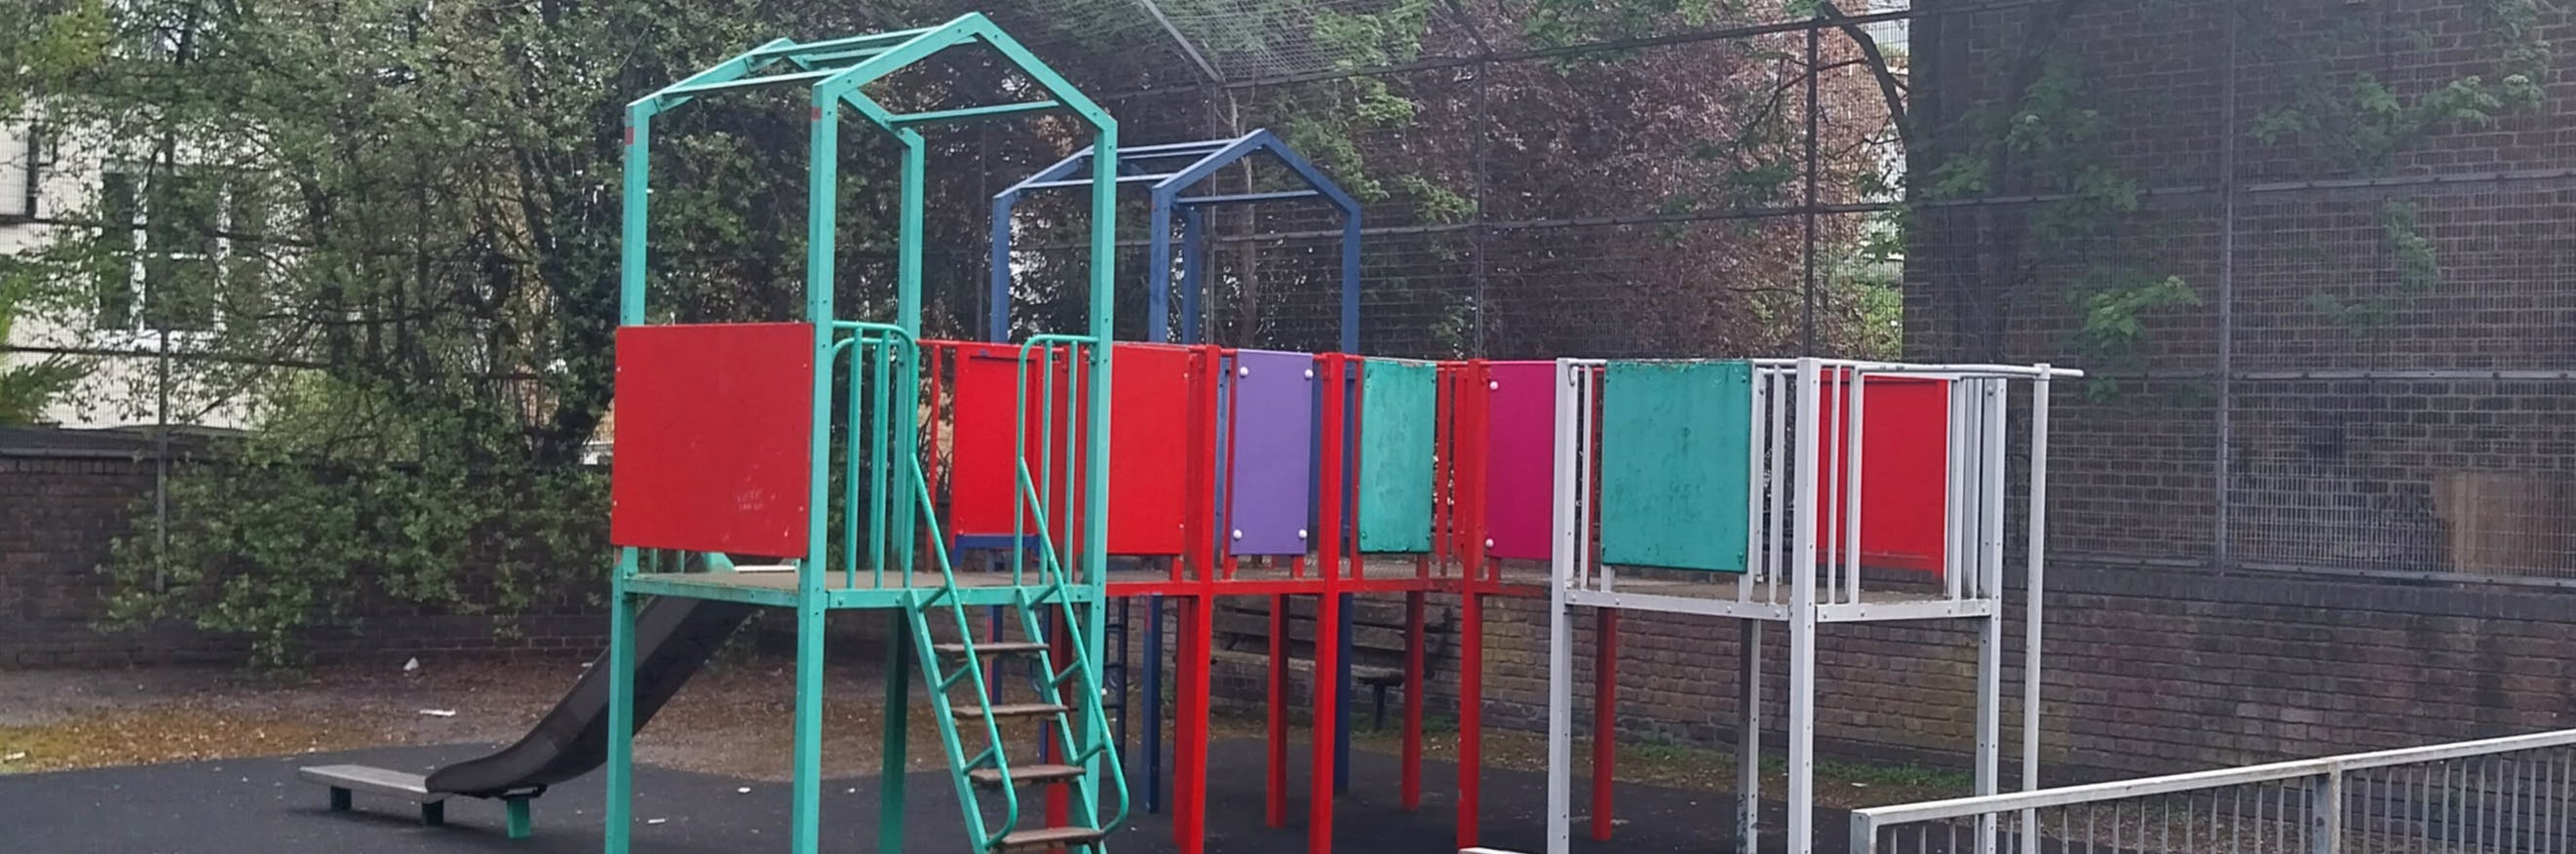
x,y
1790,446
2325,776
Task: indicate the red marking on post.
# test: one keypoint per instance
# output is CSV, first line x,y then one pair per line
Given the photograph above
x,y
713,447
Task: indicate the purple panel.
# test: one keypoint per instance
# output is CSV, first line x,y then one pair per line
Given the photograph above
x,y
1521,472
1274,450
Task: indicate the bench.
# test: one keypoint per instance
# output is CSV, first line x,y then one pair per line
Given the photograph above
x,y
347,780
1377,638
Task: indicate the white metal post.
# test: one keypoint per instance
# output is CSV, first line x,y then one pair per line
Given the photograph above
x,y
2325,805
1852,429
1757,455
1566,565
1802,622
1748,740
1990,641
2035,559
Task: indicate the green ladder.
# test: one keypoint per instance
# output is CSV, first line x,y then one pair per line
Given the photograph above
x,y
1078,729
1078,726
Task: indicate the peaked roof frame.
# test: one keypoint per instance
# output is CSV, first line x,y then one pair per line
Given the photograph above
x,y
835,70
1170,185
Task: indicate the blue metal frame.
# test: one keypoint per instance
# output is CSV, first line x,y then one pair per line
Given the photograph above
x,y
1154,164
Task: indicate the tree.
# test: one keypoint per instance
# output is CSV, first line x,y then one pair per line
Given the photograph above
x,y
28,389
408,220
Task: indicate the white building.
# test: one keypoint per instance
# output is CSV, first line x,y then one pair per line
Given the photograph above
x,y
47,183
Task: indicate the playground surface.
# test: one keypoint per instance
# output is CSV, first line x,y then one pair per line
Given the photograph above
x,y
256,804
183,759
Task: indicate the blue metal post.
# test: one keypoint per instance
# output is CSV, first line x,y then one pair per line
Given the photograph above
x,y
1193,272
1158,268
997,316
1350,344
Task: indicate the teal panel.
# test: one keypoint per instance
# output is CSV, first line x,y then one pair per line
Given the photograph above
x,y
1674,437
1396,411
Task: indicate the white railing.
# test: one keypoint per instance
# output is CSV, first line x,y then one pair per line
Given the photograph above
x,y
2491,795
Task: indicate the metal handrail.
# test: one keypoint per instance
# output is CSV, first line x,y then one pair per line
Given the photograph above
x,y
1865,823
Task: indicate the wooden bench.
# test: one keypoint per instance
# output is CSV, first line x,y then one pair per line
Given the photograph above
x,y
1377,638
347,780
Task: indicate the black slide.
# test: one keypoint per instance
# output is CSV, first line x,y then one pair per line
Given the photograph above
x,y
673,638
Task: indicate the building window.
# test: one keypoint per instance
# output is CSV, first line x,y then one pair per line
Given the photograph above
x,y
21,147
170,245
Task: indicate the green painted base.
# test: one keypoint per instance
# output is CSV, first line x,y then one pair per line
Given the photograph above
x,y
520,824
339,799
434,814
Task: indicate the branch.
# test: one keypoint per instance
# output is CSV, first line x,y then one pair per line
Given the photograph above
x,y
1890,86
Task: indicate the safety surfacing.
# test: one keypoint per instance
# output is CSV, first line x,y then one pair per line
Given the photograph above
x,y
257,805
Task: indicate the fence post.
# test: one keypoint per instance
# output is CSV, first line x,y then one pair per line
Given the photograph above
x,y
1864,835
2325,811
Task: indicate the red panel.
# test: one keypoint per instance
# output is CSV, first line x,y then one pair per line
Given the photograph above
x,y
714,425
1149,448
983,468
1905,429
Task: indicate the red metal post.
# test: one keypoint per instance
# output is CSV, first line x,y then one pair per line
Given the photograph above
x,y
1413,684
1277,788
1195,686
1605,716
1319,797
1471,717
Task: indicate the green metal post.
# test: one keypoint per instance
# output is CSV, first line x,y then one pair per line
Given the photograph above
x,y
1095,504
630,251
908,316
621,706
822,192
520,825
898,706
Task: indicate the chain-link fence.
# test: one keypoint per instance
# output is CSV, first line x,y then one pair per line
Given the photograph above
x,y
2315,254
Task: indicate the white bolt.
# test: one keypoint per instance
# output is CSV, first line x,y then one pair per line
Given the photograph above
x,y
1493,385
1310,373
1301,533
1238,533
1489,543
1243,370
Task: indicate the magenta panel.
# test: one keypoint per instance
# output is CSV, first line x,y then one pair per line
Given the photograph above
x,y
1521,468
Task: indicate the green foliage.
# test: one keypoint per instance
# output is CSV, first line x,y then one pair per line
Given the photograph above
x,y
2114,307
2418,267
2359,123
2049,144
271,547
422,200
28,387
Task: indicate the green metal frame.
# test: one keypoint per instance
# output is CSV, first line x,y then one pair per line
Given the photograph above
x,y
883,382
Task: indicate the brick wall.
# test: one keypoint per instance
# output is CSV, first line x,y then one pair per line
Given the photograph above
x,y
2144,673
60,511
